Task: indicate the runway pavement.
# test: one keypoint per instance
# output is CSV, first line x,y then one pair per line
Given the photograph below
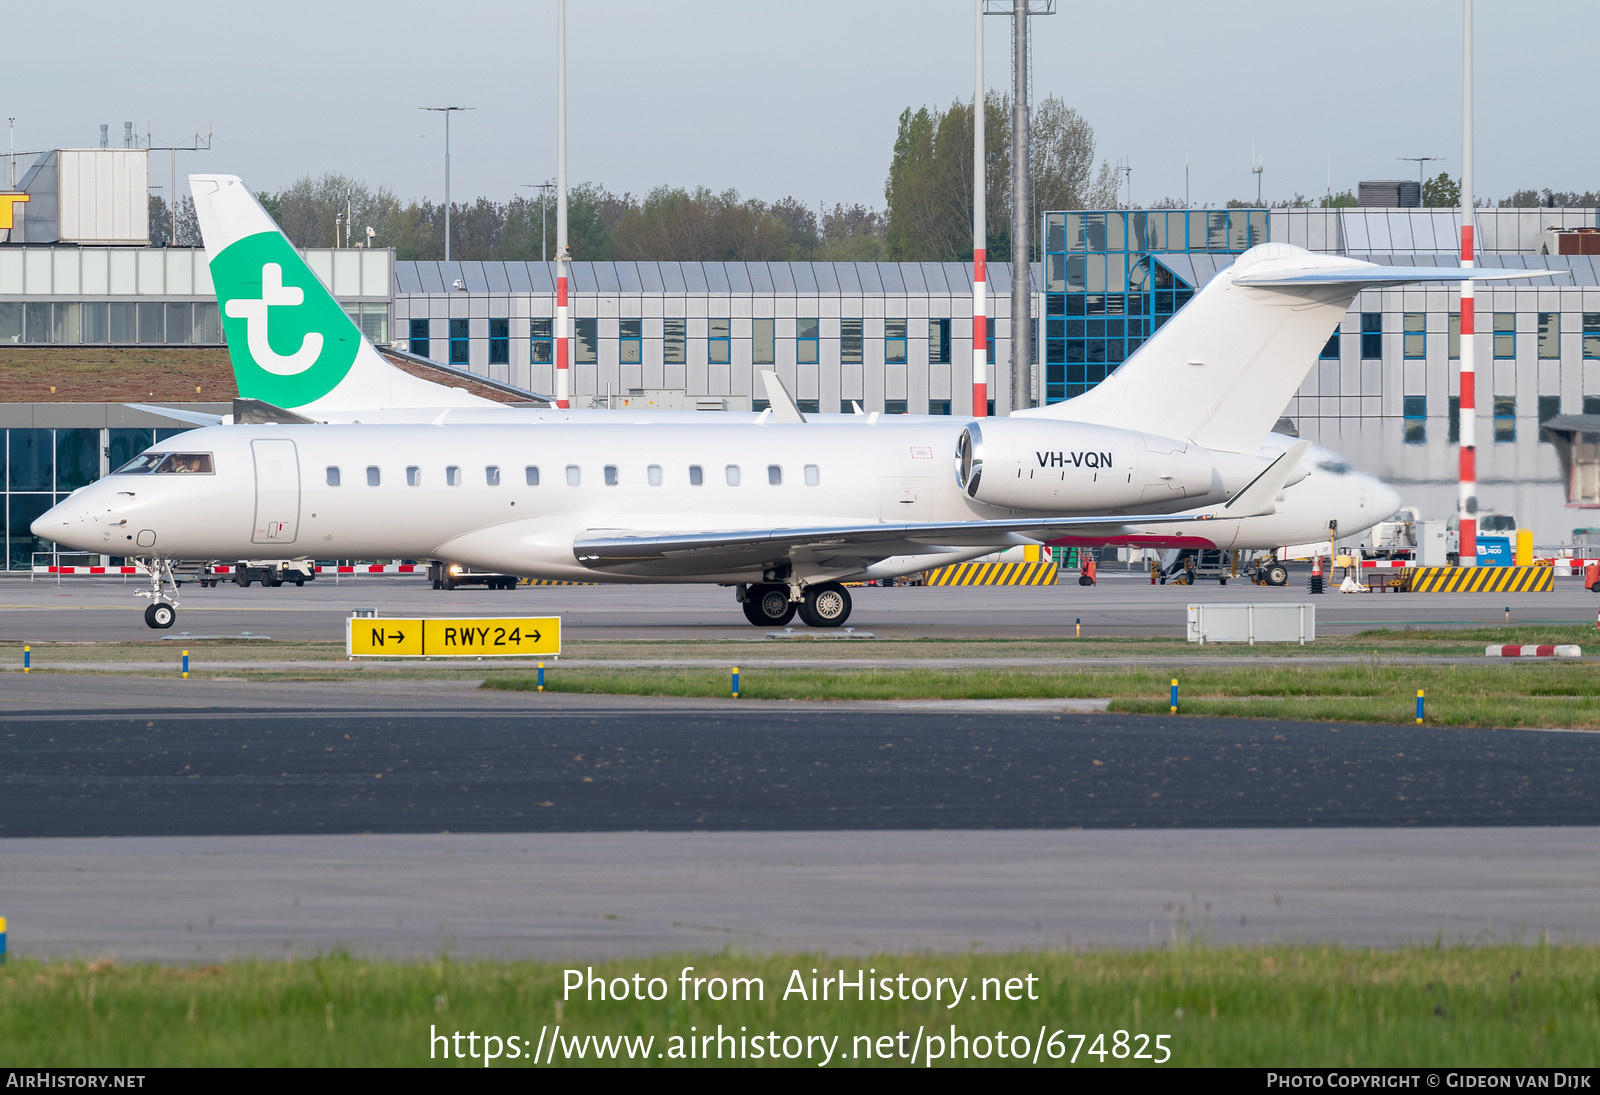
x,y
589,763
89,609
193,820
589,896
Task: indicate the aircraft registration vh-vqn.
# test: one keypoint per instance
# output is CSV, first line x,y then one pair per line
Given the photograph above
x,y
783,510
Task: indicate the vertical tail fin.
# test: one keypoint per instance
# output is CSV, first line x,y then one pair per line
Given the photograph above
x,y
1221,371
291,343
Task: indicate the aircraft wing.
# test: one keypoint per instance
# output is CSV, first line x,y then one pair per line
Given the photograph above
x,y
668,553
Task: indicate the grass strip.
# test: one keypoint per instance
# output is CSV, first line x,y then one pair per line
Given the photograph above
x,y
1468,642
1552,694
1524,1006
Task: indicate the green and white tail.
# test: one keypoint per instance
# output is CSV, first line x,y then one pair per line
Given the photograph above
x,y
291,343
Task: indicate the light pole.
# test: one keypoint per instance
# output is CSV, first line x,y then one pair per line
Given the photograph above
x,y
446,111
542,188
1421,162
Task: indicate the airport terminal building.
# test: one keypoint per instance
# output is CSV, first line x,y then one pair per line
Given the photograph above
x,y
888,337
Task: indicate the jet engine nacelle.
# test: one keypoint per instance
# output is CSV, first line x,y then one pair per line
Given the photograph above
x,y
1066,467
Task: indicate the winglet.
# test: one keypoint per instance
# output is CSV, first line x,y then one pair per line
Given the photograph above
x,y
1259,497
784,408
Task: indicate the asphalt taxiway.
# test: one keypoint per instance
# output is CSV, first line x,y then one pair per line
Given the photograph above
x,y
1124,603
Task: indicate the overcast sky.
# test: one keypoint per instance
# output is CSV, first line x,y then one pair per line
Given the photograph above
x,y
802,97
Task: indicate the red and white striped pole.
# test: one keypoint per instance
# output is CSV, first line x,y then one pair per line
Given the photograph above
x,y
980,274
1467,503
563,320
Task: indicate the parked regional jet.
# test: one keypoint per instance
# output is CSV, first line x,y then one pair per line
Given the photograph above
x,y
350,381
785,512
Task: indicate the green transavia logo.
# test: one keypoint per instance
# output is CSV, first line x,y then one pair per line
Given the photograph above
x,y
290,341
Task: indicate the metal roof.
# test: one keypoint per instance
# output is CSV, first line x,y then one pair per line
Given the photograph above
x,y
759,278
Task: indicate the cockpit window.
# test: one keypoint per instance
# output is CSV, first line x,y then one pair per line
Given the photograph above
x,y
168,463
1335,467
140,464
194,463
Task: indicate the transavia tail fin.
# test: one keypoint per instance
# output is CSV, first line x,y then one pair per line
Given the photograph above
x,y
291,343
1221,371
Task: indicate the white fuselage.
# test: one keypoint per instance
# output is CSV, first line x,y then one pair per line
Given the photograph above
x,y
466,494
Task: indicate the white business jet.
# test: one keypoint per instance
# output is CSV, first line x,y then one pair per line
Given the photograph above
x,y
350,381
784,511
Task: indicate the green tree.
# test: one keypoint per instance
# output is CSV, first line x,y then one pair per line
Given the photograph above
x,y
1441,192
929,188
308,210
269,202
1342,200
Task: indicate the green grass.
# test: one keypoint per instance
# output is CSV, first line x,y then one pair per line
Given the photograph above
x,y
1432,642
1283,1006
1559,694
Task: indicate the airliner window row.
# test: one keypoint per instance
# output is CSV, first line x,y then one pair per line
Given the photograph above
x,y
454,477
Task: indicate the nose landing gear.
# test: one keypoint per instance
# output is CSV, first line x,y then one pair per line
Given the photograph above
x,y
162,611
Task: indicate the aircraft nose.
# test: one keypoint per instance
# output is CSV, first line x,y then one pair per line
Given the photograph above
x,y
64,523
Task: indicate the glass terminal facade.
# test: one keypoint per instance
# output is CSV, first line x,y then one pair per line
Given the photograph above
x,y
1107,290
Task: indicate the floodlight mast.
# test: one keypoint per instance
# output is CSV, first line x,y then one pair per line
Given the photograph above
x,y
980,290
446,111
1467,503
1021,218
563,318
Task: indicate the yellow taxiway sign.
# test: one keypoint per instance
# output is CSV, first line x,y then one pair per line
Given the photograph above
x,y
486,637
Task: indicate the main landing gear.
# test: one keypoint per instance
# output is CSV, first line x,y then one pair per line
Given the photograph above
x,y
162,611
767,604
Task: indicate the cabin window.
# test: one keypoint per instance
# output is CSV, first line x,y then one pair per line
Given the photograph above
x,y
373,476
452,476
653,473
531,475
611,475
732,474
775,475
574,475
491,475
696,475
813,475
413,476
333,476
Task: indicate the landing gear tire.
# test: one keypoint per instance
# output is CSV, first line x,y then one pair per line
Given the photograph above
x,y
160,615
768,605
825,605
1277,575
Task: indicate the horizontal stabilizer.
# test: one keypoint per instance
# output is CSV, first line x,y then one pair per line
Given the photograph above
x,y
256,412
194,418
1376,276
